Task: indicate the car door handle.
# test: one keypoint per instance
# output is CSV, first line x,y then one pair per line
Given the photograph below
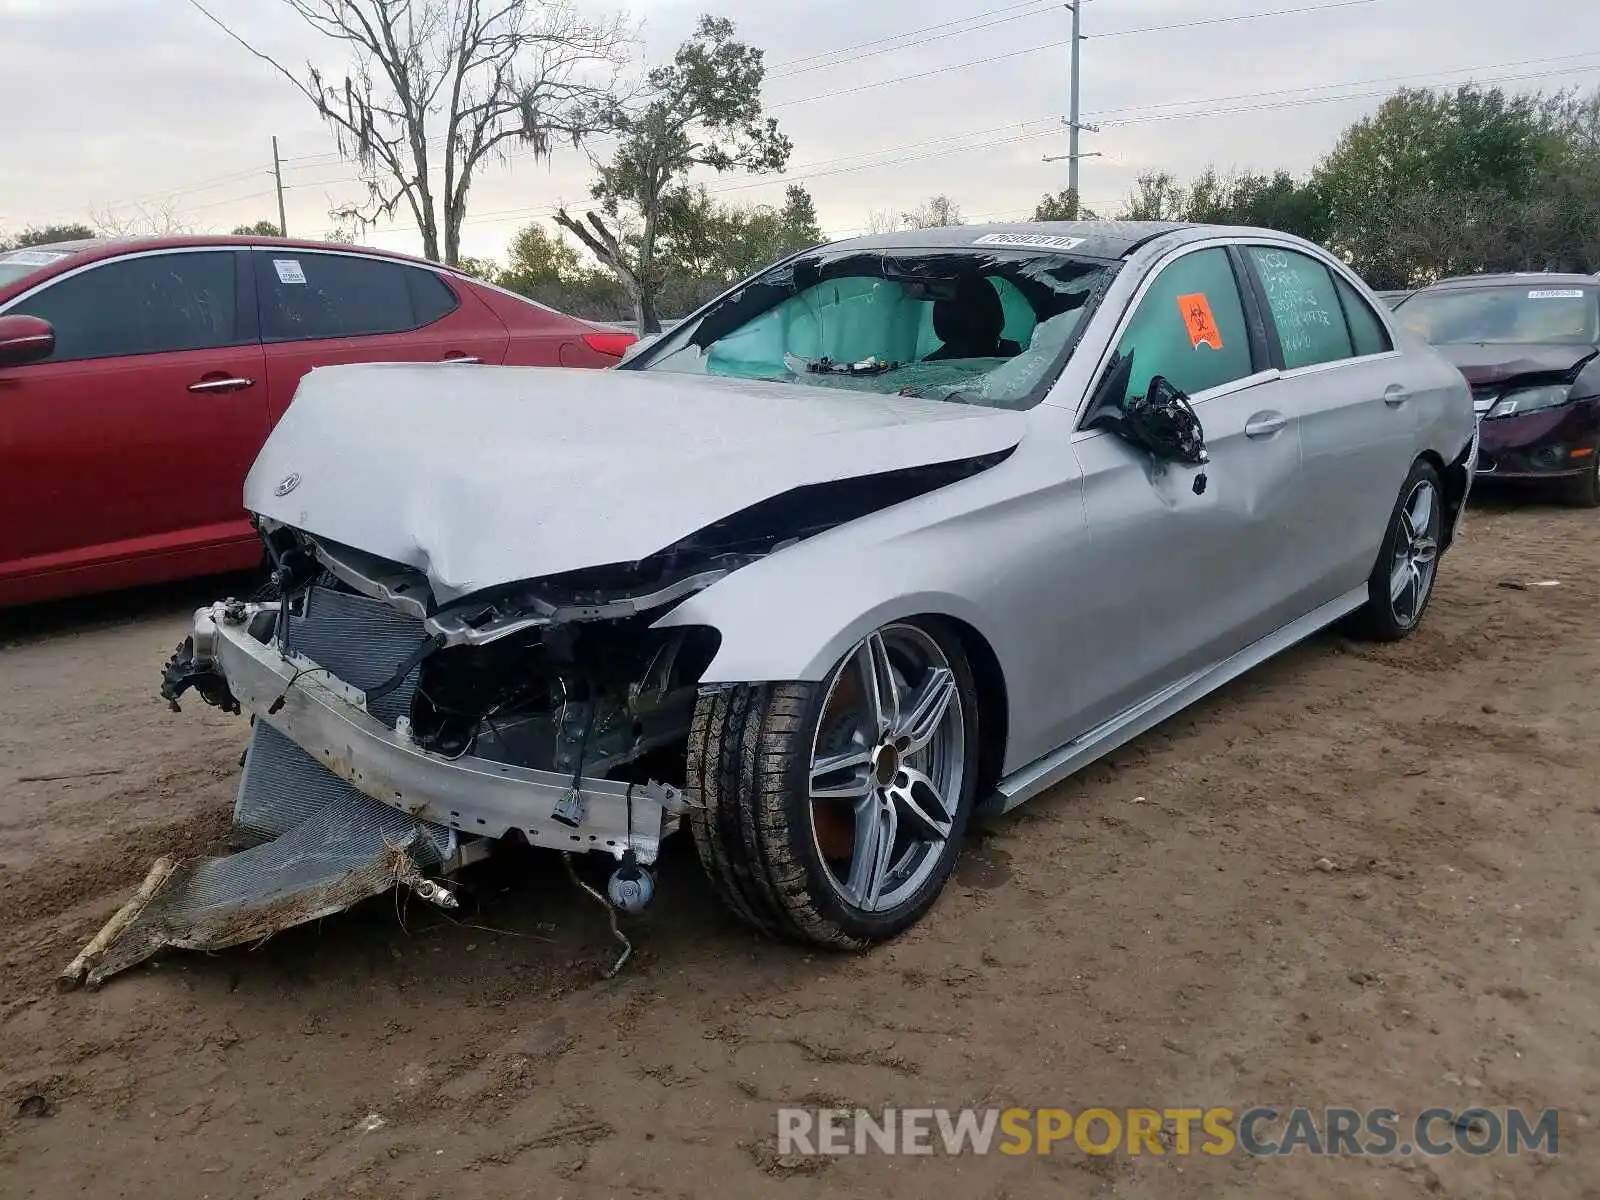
x,y
462,358
231,383
1394,395
1264,424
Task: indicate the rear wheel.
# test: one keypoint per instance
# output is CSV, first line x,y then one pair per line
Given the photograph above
x,y
833,812
1583,491
1401,583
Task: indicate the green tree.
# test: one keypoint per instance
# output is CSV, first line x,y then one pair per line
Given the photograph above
x,y
536,259
44,235
937,212
701,110
1156,196
1062,206
485,269
259,229
548,269
1428,184
705,247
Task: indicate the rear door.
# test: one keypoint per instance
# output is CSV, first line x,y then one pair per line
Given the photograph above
x,y
1185,562
324,308
134,437
1342,376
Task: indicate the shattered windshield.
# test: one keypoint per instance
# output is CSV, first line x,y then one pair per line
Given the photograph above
x,y
989,327
1527,314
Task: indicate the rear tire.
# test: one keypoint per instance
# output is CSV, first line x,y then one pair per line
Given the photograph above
x,y
1401,583
1583,491
796,785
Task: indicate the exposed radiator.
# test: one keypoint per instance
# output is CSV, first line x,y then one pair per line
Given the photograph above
x,y
362,642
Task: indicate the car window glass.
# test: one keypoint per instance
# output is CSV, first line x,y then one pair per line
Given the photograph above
x,y
431,298
1189,328
309,295
1367,333
153,304
1304,307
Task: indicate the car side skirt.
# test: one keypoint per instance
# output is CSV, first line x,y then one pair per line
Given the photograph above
x,y
1044,773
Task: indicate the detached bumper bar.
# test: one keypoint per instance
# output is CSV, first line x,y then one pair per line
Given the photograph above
x,y
328,719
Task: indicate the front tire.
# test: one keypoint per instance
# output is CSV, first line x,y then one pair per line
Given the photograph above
x,y
1401,583
832,813
1583,491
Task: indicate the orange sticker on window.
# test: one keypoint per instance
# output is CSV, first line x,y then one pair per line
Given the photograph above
x,y
1202,325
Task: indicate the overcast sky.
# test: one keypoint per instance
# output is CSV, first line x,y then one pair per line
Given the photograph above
x,y
110,104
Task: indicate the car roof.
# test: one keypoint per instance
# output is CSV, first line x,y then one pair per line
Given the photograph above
x,y
109,247
1095,239
1508,279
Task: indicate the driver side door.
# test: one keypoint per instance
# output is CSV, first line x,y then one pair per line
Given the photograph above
x,y
1185,564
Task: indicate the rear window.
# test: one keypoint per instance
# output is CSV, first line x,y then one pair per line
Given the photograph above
x,y
19,264
1529,313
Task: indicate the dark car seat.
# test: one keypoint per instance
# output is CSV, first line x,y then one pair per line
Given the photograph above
x,y
970,323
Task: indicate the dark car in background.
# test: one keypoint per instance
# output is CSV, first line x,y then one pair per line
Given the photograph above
x,y
1528,346
139,378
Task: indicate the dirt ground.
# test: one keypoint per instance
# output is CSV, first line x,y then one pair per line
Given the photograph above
x,y
1155,933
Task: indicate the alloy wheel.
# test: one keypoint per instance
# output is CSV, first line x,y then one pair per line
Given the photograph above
x,y
888,765
1416,553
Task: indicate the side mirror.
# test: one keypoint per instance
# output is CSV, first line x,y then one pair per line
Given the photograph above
x,y
25,340
1163,422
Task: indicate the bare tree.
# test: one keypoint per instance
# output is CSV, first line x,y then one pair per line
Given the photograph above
x,y
701,110
158,219
882,220
460,79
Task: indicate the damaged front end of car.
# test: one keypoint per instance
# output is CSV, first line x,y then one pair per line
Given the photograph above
x,y
395,739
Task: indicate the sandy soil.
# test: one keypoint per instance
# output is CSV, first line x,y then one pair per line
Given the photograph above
x,y
1155,933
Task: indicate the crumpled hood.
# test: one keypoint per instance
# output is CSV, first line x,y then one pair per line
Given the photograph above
x,y
1490,364
481,476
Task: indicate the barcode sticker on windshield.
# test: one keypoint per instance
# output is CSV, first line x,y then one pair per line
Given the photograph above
x,y
288,270
1556,294
1048,241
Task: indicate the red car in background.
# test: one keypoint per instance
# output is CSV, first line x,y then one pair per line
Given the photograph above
x,y
139,378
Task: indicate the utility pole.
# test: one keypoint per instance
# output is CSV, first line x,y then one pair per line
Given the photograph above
x,y
1072,118
1074,125
277,173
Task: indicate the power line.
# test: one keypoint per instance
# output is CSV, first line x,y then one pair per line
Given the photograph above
x,y
1023,132
1035,9
796,69
1228,20
1056,45
790,65
1115,114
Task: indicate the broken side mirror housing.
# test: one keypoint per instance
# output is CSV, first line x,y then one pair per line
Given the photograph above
x,y
25,340
1161,422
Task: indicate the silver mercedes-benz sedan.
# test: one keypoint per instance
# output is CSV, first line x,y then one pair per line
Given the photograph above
x,y
899,530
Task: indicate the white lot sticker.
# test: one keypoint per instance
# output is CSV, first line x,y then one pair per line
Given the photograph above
x,y
1556,294
32,258
1048,240
288,270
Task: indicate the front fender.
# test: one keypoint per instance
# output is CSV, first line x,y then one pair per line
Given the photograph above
x,y
788,619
